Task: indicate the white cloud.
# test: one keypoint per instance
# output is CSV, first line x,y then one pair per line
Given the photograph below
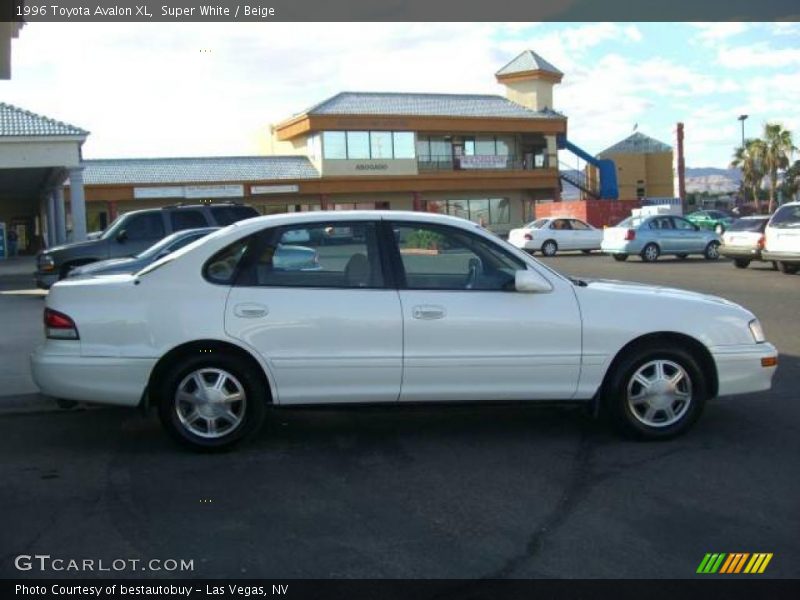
x,y
759,55
713,33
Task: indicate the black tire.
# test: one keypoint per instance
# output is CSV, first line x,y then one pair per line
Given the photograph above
x,y
741,263
587,252
630,421
774,265
620,257
650,253
682,256
712,251
787,268
252,411
549,248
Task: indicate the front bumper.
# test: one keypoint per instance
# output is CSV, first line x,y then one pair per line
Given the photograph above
x,y
792,258
99,380
740,370
45,279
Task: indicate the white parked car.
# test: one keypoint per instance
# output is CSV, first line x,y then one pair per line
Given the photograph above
x,y
419,307
782,238
553,234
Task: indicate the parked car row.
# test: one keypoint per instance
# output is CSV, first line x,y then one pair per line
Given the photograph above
x,y
709,233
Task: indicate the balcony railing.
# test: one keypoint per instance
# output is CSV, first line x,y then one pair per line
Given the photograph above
x,y
477,163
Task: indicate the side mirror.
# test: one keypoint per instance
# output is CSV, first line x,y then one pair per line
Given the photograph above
x,y
122,236
531,282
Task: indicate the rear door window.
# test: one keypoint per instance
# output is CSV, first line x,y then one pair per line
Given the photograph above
x,y
187,219
148,226
227,215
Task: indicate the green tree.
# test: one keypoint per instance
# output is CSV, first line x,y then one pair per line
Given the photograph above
x,y
749,159
791,180
778,147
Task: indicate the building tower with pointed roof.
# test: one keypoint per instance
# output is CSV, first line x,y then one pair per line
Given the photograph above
x,y
529,80
644,166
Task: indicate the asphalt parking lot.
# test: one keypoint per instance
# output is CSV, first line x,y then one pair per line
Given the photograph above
x,y
454,492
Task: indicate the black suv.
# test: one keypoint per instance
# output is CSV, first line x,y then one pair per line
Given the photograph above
x,y
133,232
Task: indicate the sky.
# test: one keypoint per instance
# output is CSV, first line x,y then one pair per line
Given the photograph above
x,y
198,89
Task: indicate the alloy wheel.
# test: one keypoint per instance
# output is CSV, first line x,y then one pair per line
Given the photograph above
x,y
210,403
659,393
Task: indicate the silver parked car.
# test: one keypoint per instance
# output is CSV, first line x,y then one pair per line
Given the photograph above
x,y
137,262
652,236
744,240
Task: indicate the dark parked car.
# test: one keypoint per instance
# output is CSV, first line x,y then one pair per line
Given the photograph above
x,y
135,263
134,232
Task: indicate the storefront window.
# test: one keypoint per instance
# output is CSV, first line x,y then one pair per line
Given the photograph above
x,y
484,146
403,144
484,211
505,145
381,144
441,149
424,149
500,210
334,144
358,144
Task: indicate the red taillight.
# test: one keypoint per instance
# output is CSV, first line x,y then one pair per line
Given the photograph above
x,y
630,235
59,326
528,236
761,241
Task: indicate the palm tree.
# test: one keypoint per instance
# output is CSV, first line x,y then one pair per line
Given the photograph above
x,y
778,146
749,158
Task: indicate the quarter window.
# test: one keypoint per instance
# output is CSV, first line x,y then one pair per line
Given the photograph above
x,y
221,268
321,255
444,258
149,226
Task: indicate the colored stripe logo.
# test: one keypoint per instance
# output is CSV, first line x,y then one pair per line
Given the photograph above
x,y
734,563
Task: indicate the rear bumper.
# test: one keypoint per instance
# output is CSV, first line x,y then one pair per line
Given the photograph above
x,y
748,252
114,381
793,258
622,247
739,369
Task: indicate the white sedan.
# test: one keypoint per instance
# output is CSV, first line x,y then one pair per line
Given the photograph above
x,y
414,307
556,233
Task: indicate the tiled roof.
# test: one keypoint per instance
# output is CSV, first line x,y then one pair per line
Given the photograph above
x,y
426,105
18,122
528,61
127,171
637,143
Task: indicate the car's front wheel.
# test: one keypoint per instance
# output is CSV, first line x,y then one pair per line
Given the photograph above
x,y
210,402
656,392
620,257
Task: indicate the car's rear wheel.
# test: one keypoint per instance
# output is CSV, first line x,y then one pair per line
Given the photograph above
x,y
620,257
210,402
650,253
549,248
655,392
787,268
741,263
712,251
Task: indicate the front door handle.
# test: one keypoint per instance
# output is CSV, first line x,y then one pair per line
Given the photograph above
x,y
250,311
427,312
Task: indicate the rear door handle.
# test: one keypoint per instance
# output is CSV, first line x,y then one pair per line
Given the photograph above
x,y
428,312
250,311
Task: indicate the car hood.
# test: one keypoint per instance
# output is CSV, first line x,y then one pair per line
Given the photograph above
x,y
654,291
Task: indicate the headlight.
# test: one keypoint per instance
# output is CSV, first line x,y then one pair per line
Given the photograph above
x,y
757,331
46,263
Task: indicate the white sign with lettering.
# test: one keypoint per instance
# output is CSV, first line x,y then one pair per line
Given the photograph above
x,y
484,162
214,191
274,189
174,191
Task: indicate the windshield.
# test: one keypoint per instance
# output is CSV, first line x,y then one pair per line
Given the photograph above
x,y
786,217
112,229
748,225
174,241
180,252
631,222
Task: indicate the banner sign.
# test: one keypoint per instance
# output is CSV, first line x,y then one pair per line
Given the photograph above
x,y
484,162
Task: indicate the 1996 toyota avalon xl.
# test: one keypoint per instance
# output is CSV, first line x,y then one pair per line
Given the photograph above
x,y
412,307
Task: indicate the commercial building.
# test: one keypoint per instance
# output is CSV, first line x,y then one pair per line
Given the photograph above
x,y
644,167
489,158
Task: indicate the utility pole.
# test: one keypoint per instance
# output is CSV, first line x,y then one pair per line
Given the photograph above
x,y
743,118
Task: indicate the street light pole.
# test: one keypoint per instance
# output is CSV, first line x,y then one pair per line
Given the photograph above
x,y
743,118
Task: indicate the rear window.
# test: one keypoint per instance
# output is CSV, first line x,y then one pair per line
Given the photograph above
x,y
786,217
756,225
226,215
631,222
538,224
